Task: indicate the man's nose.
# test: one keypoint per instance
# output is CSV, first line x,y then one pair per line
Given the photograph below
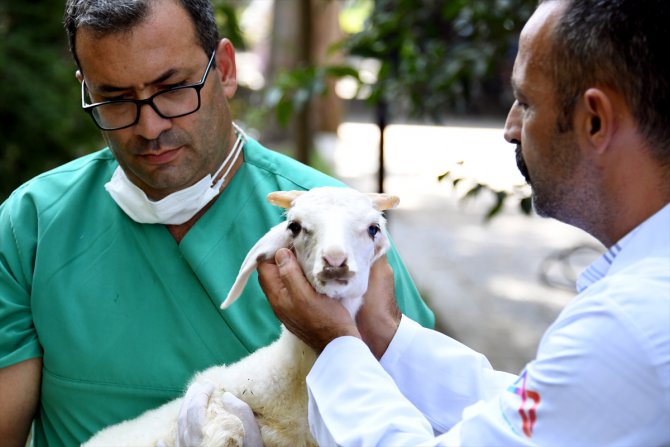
x,y
151,124
512,131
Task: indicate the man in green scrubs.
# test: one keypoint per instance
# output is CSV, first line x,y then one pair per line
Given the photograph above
x,y
113,266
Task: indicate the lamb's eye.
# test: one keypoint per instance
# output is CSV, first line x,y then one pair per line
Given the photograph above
x,y
373,230
294,228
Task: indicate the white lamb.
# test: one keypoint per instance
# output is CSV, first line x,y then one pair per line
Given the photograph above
x,y
336,234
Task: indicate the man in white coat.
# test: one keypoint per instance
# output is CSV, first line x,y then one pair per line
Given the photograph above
x,y
591,125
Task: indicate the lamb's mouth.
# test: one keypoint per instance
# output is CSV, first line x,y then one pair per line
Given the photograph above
x,y
338,282
337,275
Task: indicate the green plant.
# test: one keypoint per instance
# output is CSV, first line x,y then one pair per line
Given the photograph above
x,y
474,188
293,89
437,58
42,124
440,57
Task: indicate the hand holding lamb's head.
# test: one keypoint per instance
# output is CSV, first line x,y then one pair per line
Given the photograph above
x,y
336,234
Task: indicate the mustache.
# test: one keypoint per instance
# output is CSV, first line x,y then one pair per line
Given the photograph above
x,y
521,163
171,138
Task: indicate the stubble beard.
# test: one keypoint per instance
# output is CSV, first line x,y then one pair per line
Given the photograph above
x,y
558,195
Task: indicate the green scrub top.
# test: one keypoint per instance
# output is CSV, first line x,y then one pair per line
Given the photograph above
x,y
123,315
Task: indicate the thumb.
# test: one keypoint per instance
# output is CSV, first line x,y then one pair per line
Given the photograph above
x,y
284,257
291,274
288,267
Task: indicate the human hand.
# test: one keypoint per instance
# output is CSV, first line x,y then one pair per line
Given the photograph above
x,y
252,433
192,413
314,318
379,317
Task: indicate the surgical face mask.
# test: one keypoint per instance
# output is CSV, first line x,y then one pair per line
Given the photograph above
x,y
178,207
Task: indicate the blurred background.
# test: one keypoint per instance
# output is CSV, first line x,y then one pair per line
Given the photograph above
x,y
404,96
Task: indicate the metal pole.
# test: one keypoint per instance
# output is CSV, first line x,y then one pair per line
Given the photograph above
x,y
382,117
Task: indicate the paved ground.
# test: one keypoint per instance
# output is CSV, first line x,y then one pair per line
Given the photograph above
x,y
483,280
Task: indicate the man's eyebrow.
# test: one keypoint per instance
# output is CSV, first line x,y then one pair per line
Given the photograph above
x,y
106,88
518,90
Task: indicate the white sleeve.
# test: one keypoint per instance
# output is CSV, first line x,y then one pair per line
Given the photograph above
x,y
354,401
439,375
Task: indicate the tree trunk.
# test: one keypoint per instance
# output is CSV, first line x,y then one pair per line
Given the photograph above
x,y
302,32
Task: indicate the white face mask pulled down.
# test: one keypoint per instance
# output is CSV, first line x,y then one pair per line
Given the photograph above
x,y
178,207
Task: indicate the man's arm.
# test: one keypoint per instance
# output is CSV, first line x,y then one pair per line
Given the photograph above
x,y
20,391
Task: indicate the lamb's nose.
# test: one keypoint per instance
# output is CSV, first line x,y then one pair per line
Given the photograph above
x,y
335,260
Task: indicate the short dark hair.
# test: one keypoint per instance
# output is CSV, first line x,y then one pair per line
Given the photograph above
x,y
110,16
621,44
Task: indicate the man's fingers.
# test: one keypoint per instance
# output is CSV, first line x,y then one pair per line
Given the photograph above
x,y
381,269
271,283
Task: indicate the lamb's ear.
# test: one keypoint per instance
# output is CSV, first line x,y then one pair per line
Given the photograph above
x,y
264,249
283,199
383,201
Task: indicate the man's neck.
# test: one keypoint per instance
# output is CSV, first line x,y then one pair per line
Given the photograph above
x,y
179,231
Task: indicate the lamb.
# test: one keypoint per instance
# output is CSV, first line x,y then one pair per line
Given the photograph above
x,y
336,234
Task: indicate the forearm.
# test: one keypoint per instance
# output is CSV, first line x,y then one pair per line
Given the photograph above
x,y
359,405
366,406
20,389
439,375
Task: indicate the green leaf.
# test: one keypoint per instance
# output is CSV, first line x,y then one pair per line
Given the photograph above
x,y
284,111
341,71
501,196
474,191
443,176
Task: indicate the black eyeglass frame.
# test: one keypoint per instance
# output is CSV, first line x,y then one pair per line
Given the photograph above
x,y
89,108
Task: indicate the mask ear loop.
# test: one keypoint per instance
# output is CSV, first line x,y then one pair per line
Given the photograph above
x,y
234,154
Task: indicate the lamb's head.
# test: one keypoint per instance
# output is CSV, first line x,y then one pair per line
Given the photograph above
x,y
336,234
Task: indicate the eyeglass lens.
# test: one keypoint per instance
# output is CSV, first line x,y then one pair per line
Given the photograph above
x,y
168,104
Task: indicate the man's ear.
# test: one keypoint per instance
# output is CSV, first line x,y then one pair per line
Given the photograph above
x,y
79,75
597,123
225,63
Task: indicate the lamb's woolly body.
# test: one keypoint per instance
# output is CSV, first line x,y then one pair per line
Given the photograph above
x,y
272,382
335,225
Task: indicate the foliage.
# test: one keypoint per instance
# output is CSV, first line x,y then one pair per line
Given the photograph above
x,y
437,57
42,124
292,90
440,57
475,188
227,17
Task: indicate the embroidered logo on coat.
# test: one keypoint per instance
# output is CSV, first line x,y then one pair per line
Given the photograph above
x,y
529,402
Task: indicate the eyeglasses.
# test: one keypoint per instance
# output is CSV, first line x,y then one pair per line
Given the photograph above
x,y
173,102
